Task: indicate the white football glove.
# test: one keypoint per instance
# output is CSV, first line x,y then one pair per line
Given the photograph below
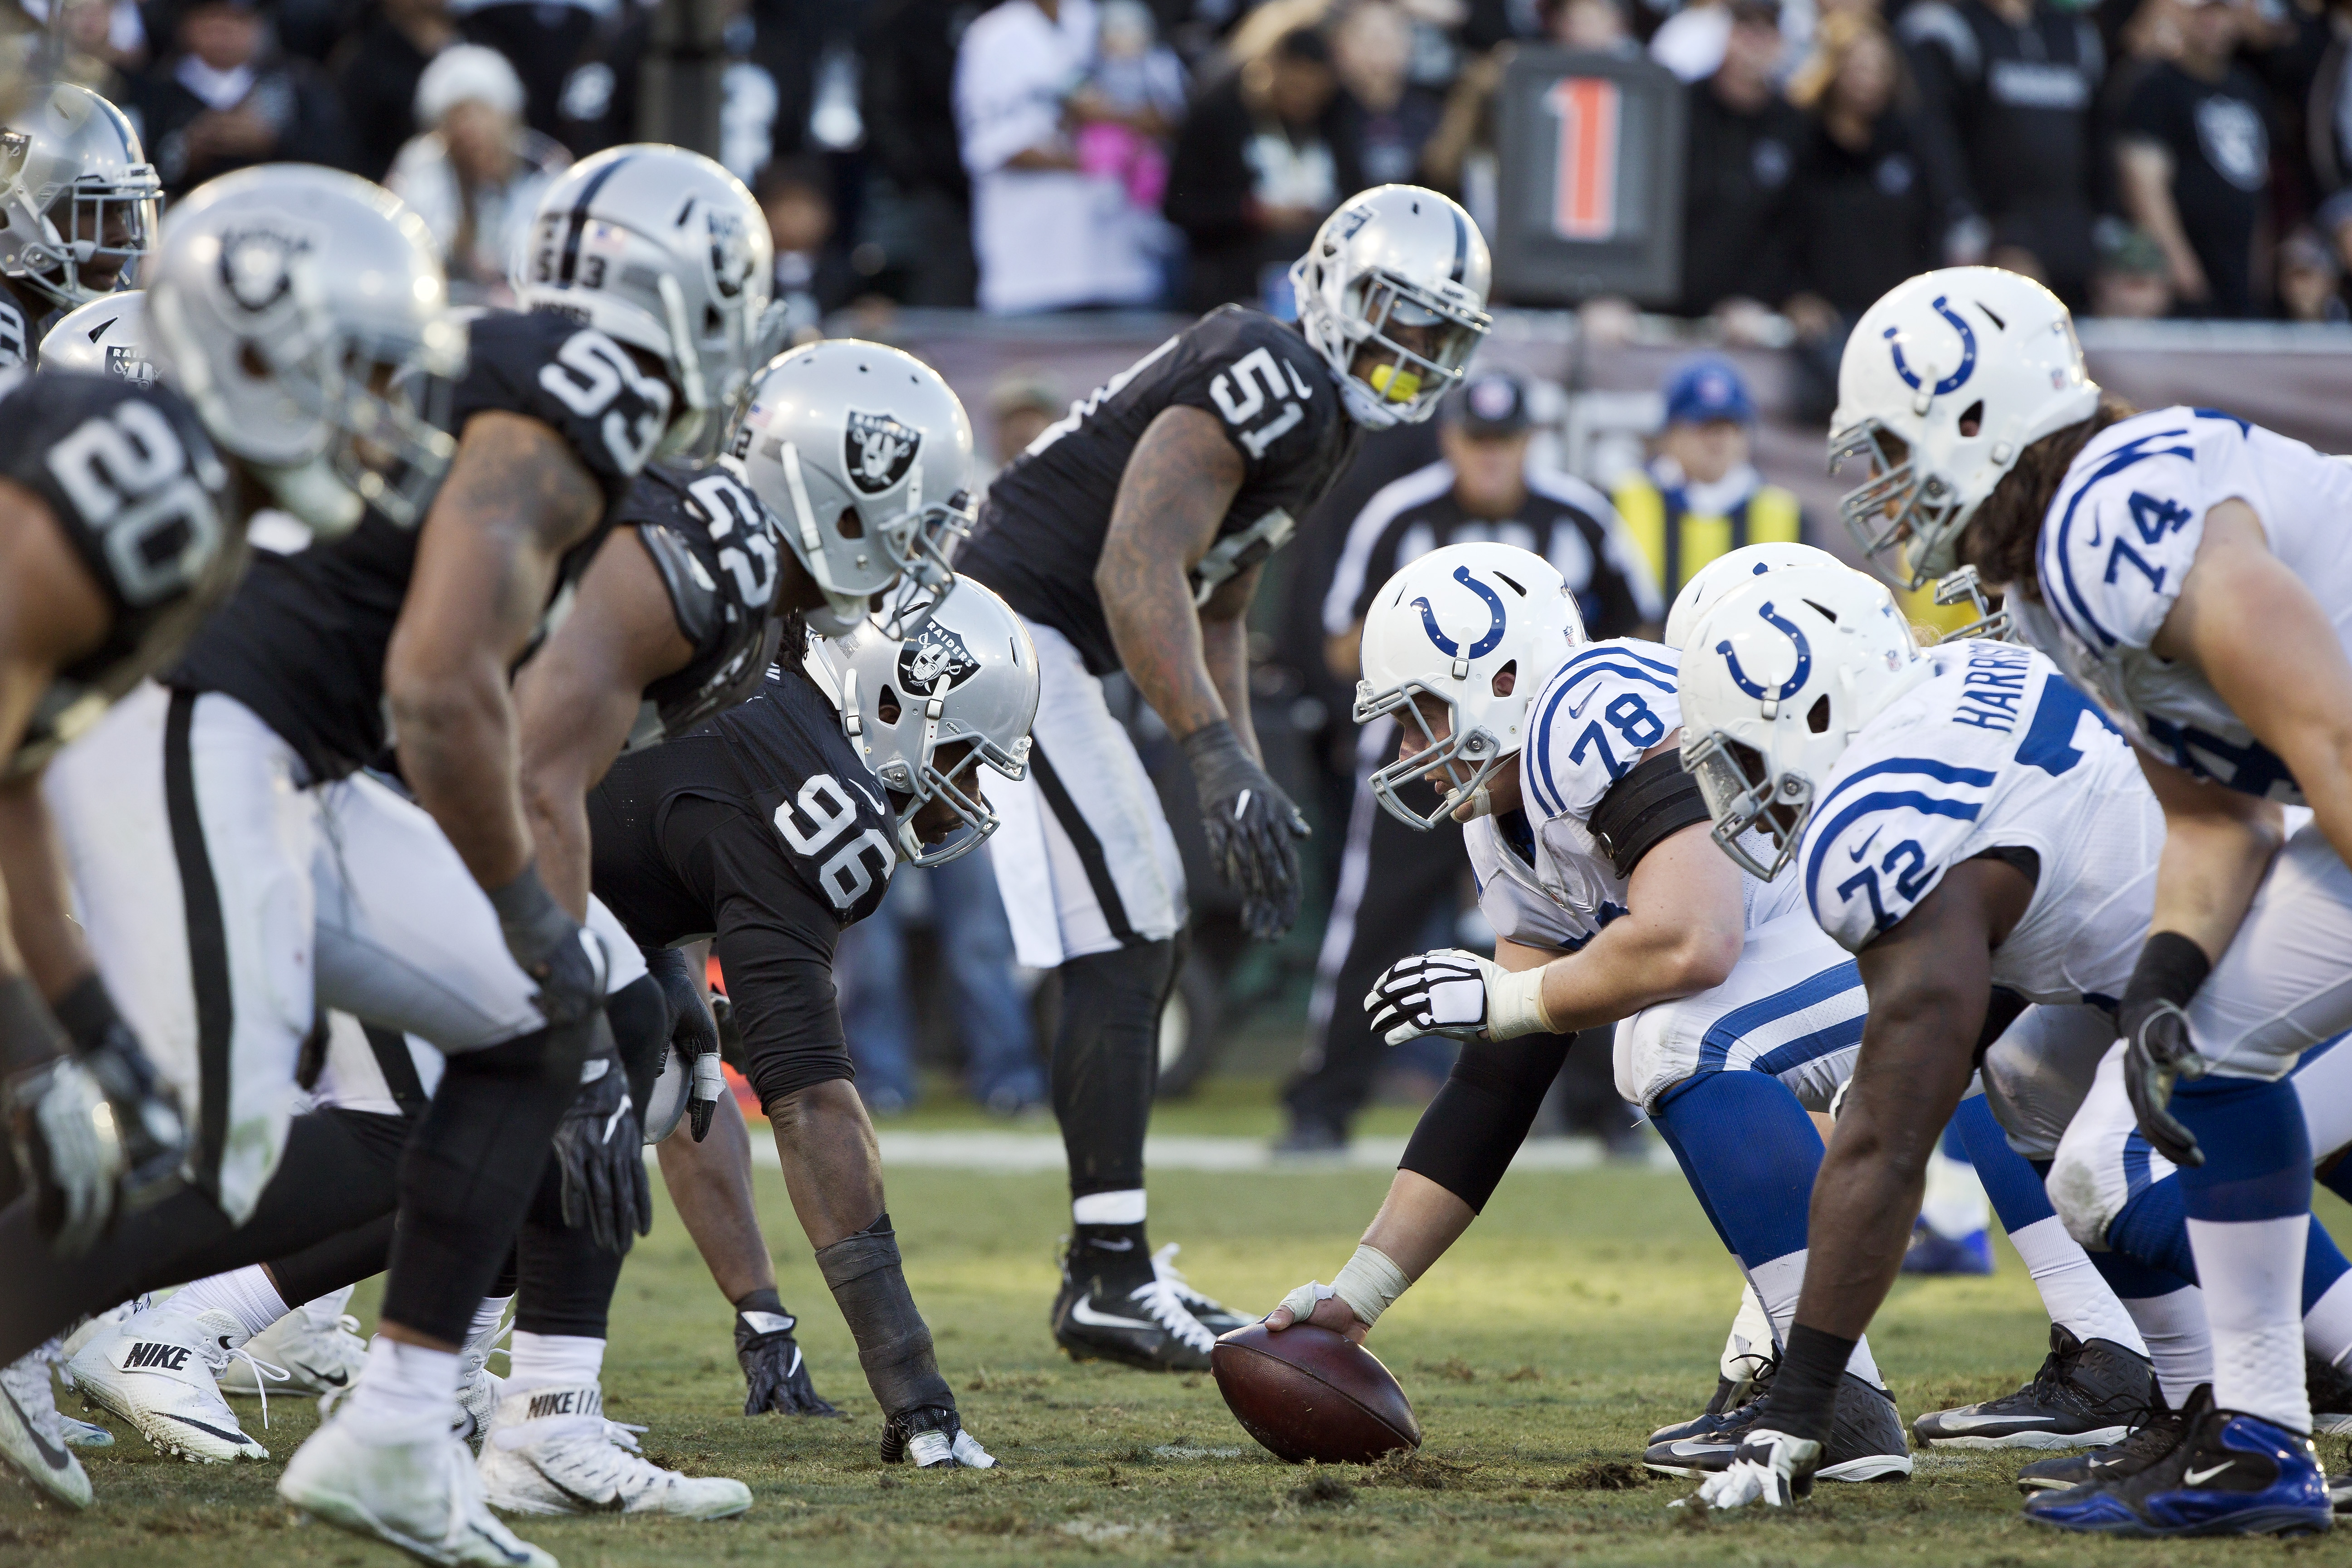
x,y
1456,993
1770,1467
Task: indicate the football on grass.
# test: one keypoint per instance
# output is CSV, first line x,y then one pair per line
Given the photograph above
x,y
1309,1394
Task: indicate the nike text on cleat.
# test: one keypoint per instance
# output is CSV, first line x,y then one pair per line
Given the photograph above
x,y
424,1496
2144,1447
550,1452
1866,1440
32,1437
2087,1394
2233,1474
317,1344
157,1370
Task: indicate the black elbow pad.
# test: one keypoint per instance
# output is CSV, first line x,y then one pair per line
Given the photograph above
x,y
1655,801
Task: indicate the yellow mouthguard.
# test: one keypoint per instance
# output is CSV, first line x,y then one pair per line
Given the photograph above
x,y
1395,386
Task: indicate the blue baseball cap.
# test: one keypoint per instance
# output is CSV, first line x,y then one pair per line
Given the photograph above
x,y
1707,388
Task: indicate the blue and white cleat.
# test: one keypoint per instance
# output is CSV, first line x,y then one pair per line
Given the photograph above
x,y
1932,1252
2235,1474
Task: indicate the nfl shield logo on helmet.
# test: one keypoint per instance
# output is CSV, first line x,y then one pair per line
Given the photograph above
x,y
877,450
934,652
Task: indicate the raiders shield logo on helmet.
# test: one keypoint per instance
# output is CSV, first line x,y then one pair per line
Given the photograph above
x,y
931,653
256,265
879,450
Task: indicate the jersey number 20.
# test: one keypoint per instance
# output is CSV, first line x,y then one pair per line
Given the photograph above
x,y
127,475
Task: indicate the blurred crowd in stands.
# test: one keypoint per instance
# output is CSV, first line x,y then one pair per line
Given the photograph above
x,y
2144,157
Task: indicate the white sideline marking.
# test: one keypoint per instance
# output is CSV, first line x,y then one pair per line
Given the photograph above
x,y
1037,1151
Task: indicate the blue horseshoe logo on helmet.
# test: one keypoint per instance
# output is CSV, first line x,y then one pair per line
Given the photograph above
x,y
1958,378
1795,683
1446,645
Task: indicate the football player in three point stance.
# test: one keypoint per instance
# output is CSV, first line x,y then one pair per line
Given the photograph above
x,y
78,210
1131,536
2179,566
769,831
127,528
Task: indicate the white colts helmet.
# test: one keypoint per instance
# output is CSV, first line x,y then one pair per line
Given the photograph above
x,y
1445,629
866,454
1775,682
303,312
1944,383
663,250
1730,571
1395,256
74,186
965,683
106,337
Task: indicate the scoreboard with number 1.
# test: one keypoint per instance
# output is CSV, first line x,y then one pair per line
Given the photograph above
x,y
1591,194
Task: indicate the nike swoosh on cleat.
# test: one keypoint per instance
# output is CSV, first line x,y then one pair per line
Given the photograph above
x,y
2199,1478
1081,1313
56,1458
797,1361
190,1421
590,1504
499,1548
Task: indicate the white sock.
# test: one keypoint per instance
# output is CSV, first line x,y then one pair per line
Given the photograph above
x,y
1777,1285
1752,1338
554,1361
1955,1205
2173,1327
2328,1327
487,1319
404,1393
2074,1294
244,1294
2253,1275
1108,1208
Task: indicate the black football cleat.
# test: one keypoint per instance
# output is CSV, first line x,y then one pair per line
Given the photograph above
x,y
1213,1315
1730,1394
2087,1394
2233,1474
1122,1308
2331,1398
1866,1440
775,1376
932,1438
2146,1444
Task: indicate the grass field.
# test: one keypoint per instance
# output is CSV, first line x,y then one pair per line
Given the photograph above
x,y
1582,1310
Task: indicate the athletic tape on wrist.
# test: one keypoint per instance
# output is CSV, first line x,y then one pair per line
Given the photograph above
x,y
1369,1282
1515,1004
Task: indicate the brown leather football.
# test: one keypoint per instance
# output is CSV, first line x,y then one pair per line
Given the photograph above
x,y
1309,1394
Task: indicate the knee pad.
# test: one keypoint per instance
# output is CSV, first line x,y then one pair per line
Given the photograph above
x,y
1465,1140
2086,1199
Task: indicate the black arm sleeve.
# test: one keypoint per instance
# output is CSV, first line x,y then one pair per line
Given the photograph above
x,y
1655,801
1465,1140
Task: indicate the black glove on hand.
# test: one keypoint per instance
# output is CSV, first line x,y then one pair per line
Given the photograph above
x,y
1251,826
693,1035
2158,1049
599,1155
776,1375
565,958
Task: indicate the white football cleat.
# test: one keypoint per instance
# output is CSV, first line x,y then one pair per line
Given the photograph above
x,y
478,1388
90,1328
156,1370
317,1343
424,1496
32,1438
550,1450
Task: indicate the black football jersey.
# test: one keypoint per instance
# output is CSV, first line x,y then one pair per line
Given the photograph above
x,y
715,547
128,473
24,320
1041,530
781,757
302,642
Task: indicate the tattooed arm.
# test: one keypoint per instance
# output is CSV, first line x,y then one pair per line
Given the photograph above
x,y
1224,648
516,498
1180,481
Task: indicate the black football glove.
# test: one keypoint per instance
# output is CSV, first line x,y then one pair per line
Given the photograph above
x,y
568,962
599,1155
776,1375
2158,1049
1253,829
693,1035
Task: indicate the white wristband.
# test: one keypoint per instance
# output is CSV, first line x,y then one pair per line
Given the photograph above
x,y
1368,1282
1515,1004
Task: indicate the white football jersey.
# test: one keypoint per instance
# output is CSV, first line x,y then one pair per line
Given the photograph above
x,y
2119,538
1543,879
1994,749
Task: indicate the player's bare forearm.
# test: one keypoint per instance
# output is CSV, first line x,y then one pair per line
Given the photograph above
x,y
515,499
1179,480
710,1183
2217,846
1683,936
1928,982
578,698
40,935
1224,648
1417,1222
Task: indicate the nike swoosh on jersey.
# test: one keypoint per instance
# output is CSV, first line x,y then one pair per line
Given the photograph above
x,y
1866,843
56,1458
2199,1478
1081,1313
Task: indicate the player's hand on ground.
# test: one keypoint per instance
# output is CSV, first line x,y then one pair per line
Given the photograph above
x,y
1770,1467
775,1374
62,1131
1440,992
600,1156
1252,828
2157,1054
1316,1303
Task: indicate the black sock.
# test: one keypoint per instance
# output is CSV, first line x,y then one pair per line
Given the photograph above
x,y
1111,1260
763,1300
1106,1061
1804,1400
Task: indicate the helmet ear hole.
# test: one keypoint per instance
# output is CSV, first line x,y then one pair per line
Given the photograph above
x,y
849,524
887,708
1972,418
1817,719
1506,680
